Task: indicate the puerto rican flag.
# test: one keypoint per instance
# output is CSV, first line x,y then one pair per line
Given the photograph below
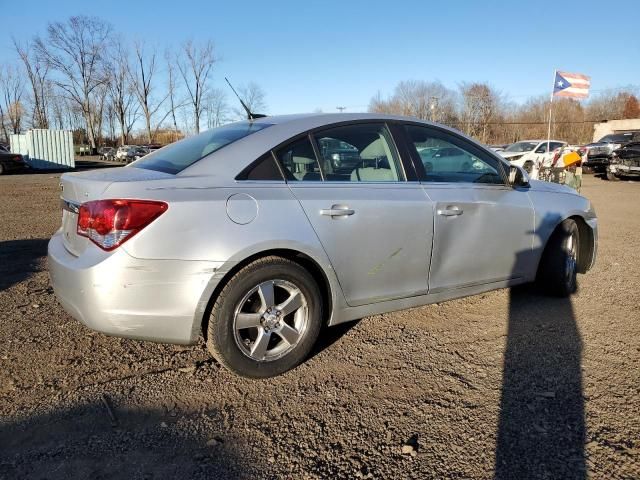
x,y
572,85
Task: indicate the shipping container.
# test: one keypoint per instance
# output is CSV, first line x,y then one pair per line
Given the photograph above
x,y
45,149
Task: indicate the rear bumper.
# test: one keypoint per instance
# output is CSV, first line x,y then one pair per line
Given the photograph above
x,y
157,300
596,162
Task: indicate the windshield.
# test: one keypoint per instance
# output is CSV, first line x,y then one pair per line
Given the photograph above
x,y
617,138
176,157
521,147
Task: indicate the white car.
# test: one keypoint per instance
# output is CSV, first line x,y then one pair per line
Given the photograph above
x,y
123,152
531,154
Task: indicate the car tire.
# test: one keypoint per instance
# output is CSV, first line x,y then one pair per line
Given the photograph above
x,y
528,167
2,170
252,330
557,274
612,177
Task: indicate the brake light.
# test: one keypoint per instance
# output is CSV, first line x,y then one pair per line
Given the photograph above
x,y
110,223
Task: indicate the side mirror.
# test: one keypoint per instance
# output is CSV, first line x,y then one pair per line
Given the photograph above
x,y
518,177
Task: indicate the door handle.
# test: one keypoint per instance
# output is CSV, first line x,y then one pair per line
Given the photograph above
x,y
337,211
450,211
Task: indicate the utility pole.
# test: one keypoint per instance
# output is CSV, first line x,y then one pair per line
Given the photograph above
x,y
342,109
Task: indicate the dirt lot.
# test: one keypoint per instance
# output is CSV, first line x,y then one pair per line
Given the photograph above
x,y
501,385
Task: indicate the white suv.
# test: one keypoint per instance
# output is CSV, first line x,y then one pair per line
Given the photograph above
x,y
530,154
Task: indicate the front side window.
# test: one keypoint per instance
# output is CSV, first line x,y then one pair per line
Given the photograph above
x,y
542,148
358,153
176,157
446,158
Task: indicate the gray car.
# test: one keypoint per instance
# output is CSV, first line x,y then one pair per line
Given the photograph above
x,y
250,236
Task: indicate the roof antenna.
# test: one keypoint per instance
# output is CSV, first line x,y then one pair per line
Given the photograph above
x,y
250,116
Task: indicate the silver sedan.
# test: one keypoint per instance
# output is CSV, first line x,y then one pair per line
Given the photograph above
x,y
256,234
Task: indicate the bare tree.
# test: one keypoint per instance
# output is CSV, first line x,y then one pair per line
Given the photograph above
x,y
425,100
217,108
76,50
142,79
195,65
12,85
172,90
480,105
121,93
37,72
631,107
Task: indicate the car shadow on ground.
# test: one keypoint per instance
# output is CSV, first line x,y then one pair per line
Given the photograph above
x,y
330,335
19,259
541,430
85,442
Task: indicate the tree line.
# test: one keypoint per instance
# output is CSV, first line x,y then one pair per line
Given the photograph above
x,y
482,112
84,76
81,75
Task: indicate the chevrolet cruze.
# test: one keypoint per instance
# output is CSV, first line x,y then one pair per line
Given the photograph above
x,y
253,237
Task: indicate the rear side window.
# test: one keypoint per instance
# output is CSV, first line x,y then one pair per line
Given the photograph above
x,y
176,157
264,168
298,161
358,153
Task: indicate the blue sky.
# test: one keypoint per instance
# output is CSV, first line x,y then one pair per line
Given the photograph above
x,y
308,55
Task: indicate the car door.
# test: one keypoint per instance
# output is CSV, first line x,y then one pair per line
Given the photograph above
x,y
483,228
374,225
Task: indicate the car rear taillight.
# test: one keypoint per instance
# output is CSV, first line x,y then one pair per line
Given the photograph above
x,y
110,223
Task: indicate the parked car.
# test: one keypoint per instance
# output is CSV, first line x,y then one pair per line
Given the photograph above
x,y
107,153
10,161
499,148
130,153
625,162
221,234
530,154
122,152
137,153
597,155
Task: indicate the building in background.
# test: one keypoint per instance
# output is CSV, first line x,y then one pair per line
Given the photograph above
x,y
615,126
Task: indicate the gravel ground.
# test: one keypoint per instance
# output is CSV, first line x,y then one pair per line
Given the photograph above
x,y
502,385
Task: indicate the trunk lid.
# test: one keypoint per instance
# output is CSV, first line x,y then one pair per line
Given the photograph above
x,y
78,188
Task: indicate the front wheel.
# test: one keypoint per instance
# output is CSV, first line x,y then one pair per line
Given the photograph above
x,y
557,274
266,319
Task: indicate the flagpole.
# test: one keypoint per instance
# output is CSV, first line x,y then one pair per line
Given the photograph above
x,y
555,72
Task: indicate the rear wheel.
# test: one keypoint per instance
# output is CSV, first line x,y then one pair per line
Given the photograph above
x,y
612,177
1,169
266,319
557,274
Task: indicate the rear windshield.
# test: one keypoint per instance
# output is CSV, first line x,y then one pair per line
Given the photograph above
x,y
176,157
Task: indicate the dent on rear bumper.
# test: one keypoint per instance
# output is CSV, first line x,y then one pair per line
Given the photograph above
x,y
127,297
